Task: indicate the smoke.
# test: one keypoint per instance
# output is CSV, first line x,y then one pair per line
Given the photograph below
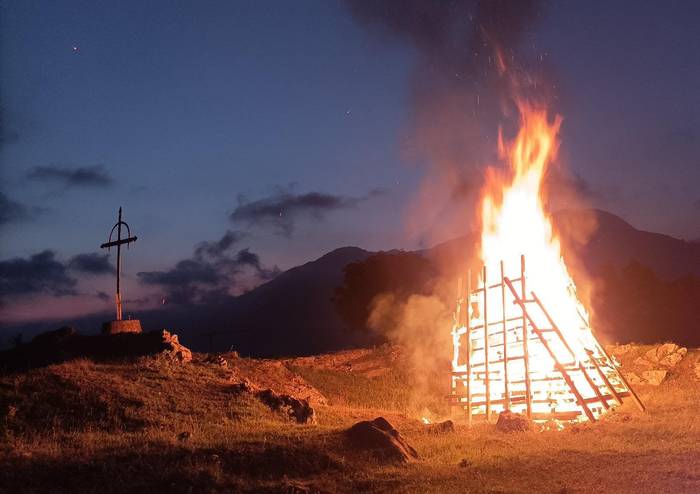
x,y
470,55
419,325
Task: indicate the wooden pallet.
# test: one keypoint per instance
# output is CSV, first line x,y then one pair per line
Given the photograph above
x,y
593,381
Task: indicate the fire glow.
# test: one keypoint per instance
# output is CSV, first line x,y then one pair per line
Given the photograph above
x,y
522,340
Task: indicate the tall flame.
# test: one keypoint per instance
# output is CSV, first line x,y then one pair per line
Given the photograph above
x,y
514,222
544,359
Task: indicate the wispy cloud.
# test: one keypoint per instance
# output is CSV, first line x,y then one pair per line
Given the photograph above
x,y
91,264
12,211
283,208
40,273
84,176
211,272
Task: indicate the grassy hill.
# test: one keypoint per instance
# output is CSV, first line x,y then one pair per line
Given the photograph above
x,y
156,425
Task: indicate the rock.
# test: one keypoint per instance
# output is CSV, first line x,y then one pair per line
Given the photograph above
x,y
633,378
512,422
173,346
379,438
668,354
464,463
654,377
217,360
642,362
294,408
184,436
618,350
445,427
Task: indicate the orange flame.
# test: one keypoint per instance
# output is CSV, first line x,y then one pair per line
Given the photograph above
x,y
515,224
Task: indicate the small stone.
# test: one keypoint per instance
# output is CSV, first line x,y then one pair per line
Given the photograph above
x,y
654,377
294,408
672,359
217,360
633,378
621,349
464,463
184,436
668,354
512,422
642,362
445,427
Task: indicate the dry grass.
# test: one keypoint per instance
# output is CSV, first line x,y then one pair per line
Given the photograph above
x,y
87,427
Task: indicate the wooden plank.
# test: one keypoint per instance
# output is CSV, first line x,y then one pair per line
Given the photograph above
x,y
123,241
558,366
595,388
505,338
605,379
469,347
526,353
486,345
554,328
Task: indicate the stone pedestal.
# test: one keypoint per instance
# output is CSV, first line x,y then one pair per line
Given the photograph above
x,y
124,326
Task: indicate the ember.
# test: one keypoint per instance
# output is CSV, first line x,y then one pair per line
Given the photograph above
x,y
522,340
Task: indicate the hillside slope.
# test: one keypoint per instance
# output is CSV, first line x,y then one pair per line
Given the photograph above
x,y
153,425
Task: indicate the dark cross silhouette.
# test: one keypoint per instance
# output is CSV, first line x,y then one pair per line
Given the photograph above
x,y
119,242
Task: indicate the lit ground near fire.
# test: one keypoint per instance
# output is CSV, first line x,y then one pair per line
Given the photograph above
x,y
95,427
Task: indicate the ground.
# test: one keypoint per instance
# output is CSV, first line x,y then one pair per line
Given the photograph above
x,y
157,425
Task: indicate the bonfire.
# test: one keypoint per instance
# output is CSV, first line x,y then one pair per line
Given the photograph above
x,y
522,338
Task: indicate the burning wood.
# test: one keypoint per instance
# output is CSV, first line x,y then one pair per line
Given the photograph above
x,y
522,340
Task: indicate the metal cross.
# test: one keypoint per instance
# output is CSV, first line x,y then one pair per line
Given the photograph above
x,y
118,243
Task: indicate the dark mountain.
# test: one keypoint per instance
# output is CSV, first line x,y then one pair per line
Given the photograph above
x,y
613,241
294,313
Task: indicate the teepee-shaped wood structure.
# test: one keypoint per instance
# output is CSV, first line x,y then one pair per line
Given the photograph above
x,y
509,354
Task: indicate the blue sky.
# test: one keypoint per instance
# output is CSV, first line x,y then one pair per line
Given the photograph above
x,y
192,107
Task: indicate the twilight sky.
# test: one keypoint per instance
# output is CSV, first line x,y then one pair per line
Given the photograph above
x,y
288,125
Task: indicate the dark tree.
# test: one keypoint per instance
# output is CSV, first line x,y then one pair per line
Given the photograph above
x,y
400,273
633,304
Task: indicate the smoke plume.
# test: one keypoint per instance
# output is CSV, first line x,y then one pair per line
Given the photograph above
x,y
469,56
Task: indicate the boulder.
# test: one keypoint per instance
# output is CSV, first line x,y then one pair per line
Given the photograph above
x,y
668,354
379,438
294,408
654,377
175,348
445,427
512,422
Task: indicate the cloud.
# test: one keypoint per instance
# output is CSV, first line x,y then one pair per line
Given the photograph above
x,y
283,208
104,296
85,176
91,264
211,273
12,211
220,246
185,272
40,273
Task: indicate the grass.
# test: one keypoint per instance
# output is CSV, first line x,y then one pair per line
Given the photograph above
x,y
88,427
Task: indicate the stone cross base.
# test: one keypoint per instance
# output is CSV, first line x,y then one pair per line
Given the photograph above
x,y
124,326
